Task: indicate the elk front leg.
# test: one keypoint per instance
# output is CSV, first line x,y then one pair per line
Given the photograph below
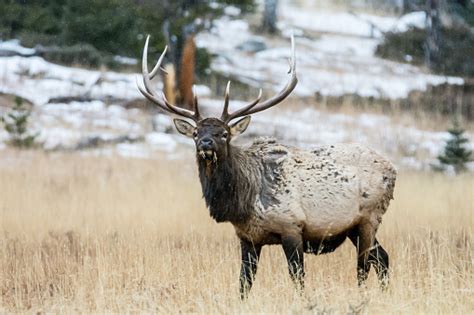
x,y
250,257
293,247
363,239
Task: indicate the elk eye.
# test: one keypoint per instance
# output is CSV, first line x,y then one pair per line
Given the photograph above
x,y
195,134
225,135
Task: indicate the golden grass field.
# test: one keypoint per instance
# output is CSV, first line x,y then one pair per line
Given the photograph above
x,y
106,234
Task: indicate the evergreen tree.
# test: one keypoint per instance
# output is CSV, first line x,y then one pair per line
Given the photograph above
x,y
455,153
16,124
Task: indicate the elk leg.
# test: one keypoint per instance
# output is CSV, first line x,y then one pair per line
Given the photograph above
x,y
363,239
293,248
379,258
250,257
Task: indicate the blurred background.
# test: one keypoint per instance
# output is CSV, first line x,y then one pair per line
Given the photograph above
x,y
101,208
395,75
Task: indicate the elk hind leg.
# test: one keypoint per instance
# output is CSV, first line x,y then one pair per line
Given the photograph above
x,y
378,257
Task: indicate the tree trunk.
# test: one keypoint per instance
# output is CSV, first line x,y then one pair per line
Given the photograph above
x,y
169,83
270,16
182,51
433,40
186,79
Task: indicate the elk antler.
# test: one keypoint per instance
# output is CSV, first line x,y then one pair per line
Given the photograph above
x,y
161,101
252,107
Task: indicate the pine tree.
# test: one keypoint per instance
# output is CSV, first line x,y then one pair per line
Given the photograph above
x,y
455,153
16,124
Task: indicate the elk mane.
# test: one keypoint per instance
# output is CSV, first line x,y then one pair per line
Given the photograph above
x,y
232,188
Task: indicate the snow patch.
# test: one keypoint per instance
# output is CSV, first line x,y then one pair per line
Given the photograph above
x,y
334,64
126,60
407,21
38,81
14,46
163,141
232,10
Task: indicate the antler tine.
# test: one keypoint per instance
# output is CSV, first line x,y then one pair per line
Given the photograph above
x,y
290,86
145,74
152,96
225,111
153,99
180,111
158,63
195,103
243,110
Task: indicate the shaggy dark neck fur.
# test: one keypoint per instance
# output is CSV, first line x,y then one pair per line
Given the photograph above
x,y
229,186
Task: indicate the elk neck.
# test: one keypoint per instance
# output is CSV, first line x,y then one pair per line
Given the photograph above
x,y
229,185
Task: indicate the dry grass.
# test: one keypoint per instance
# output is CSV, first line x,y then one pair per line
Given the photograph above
x,y
107,234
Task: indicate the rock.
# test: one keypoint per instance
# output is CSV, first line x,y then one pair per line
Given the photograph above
x,y
252,45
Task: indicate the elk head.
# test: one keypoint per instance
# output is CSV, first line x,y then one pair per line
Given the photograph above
x,y
212,135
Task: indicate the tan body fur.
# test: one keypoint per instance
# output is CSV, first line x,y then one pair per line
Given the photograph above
x,y
320,193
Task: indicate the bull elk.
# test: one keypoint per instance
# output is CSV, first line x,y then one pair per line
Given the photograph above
x,y
307,201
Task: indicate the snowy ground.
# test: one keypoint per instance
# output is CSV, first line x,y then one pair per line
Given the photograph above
x,y
97,129
39,81
337,61
335,54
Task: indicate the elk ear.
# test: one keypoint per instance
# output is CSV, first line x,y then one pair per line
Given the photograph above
x,y
240,126
184,127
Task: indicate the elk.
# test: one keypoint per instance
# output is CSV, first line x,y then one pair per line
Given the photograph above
x,y
307,201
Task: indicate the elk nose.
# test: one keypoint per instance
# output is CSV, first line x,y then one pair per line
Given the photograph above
x,y
206,142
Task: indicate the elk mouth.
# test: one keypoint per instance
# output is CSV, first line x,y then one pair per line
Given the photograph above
x,y
208,155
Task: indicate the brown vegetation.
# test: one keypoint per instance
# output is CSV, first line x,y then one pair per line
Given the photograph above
x,y
108,234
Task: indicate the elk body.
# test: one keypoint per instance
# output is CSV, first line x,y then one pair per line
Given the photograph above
x,y
307,201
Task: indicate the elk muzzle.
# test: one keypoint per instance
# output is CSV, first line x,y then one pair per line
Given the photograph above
x,y
207,149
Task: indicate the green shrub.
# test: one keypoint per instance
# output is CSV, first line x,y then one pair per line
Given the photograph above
x,y
33,39
16,124
108,25
111,27
203,62
397,46
85,55
456,49
455,153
